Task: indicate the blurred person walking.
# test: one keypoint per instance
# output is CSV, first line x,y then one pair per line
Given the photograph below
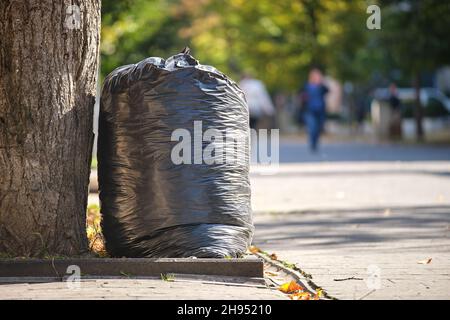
x,y
313,102
259,103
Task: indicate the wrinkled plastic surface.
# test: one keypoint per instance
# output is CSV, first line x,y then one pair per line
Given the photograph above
x,y
152,207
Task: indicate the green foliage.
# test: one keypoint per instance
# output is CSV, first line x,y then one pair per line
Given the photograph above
x,y
415,33
278,41
135,29
94,162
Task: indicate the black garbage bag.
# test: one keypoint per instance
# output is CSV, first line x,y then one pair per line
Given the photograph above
x,y
158,198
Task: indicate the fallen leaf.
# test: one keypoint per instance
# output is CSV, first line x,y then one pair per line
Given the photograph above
x,y
319,293
254,249
300,296
167,277
425,261
272,274
273,256
290,287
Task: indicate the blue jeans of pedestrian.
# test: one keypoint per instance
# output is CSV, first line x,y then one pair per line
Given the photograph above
x,y
314,122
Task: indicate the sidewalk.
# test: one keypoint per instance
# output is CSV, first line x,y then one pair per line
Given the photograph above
x,y
336,220
351,185
347,223
138,289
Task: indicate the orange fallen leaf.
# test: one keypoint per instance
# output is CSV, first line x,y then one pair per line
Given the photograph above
x,y
254,249
273,256
290,287
425,261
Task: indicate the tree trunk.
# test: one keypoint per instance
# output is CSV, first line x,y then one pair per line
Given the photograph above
x,y
418,110
48,73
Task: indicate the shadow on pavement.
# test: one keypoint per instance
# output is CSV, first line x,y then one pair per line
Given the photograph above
x,y
330,229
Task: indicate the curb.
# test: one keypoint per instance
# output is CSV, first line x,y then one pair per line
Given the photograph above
x,y
305,281
131,267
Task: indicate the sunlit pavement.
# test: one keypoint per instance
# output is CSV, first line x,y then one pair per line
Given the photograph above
x,y
135,289
355,213
360,218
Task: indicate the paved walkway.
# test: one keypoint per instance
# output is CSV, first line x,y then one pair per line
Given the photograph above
x,y
334,246
137,289
358,218
351,185
352,223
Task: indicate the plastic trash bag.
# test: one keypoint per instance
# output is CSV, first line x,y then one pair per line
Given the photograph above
x,y
152,205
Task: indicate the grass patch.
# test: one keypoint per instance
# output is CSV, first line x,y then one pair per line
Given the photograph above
x,y
94,231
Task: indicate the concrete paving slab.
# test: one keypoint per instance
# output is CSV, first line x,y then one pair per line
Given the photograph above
x,y
347,251
139,289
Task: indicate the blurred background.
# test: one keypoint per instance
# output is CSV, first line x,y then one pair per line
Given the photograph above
x,y
278,42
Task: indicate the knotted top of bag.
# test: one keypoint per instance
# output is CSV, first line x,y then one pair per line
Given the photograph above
x,y
121,77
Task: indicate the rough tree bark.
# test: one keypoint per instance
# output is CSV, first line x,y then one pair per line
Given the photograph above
x,y
48,74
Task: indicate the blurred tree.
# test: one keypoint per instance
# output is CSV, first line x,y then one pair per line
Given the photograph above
x,y
415,34
278,41
275,41
135,29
